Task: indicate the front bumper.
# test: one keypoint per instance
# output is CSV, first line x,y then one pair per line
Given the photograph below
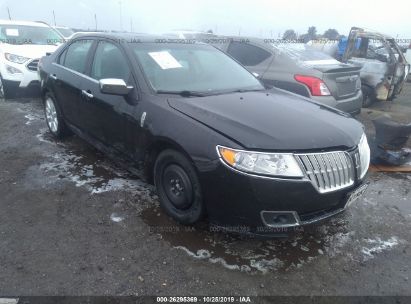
x,y
24,79
240,202
350,105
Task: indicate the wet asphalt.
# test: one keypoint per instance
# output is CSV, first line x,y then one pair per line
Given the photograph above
x,y
72,222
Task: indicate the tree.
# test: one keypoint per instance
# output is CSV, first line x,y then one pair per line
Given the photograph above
x,y
331,34
310,35
312,32
290,35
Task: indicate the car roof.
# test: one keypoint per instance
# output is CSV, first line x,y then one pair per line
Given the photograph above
x,y
141,37
18,22
61,27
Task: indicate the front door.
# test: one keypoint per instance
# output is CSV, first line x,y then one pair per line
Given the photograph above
x,y
111,119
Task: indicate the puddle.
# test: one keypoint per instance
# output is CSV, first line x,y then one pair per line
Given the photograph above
x,y
246,254
253,255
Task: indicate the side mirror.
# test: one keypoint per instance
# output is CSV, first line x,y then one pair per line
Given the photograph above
x,y
114,86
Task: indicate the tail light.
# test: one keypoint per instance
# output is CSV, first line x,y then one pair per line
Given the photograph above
x,y
316,85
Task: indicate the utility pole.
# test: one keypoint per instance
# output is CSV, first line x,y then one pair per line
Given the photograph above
x,y
95,20
131,24
54,18
8,11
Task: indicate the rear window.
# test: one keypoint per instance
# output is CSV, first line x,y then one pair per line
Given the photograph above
x,y
247,54
304,54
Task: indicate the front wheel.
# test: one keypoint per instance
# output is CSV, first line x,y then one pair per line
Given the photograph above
x,y
54,118
178,187
6,92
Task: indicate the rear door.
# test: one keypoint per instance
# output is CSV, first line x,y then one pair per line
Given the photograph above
x,y
67,74
111,118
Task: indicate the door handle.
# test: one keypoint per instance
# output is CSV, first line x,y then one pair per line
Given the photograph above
x,y
53,76
87,94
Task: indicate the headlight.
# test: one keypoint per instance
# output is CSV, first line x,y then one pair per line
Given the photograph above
x,y
15,58
272,164
364,151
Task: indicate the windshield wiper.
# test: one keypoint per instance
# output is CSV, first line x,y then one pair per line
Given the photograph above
x,y
185,93
245,90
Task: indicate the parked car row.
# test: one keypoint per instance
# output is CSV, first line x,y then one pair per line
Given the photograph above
x,y
212,138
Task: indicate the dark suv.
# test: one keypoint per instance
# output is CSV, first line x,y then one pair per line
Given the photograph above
x,y
200,126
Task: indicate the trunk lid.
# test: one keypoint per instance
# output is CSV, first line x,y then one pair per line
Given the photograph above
x,y
343,80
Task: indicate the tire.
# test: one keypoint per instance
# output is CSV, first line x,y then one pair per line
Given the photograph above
x,y
178,187
6,92
368,97
54,118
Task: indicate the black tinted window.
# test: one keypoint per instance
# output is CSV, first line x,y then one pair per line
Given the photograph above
x,y
109,62
76,55
247,54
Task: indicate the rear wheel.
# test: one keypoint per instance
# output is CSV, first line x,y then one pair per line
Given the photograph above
x,y
178,187
54,118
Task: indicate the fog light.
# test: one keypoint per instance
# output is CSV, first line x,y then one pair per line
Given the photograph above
x,y
279,218
13,70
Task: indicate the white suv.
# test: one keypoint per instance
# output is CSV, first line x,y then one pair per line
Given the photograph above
x,y
22,44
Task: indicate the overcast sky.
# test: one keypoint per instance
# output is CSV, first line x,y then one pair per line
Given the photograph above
x,y
264,18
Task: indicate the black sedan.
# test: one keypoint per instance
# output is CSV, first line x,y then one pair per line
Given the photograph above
x,y
213,140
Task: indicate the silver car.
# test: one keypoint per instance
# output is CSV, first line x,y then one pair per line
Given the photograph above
x,y
297,68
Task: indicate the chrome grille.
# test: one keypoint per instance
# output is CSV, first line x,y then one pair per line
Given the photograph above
x,y
32,65
328,171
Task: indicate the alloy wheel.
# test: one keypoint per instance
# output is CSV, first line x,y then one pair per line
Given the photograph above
x,y
51,115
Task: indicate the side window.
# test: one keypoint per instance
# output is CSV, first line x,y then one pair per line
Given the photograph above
x,y
110,62
62,57
76,55
247,54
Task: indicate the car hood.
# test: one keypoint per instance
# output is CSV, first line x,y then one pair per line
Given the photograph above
x,y
273,120
32,51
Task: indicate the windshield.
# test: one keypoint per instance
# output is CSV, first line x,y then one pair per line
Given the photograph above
x,y
66,32
194,67
25,34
